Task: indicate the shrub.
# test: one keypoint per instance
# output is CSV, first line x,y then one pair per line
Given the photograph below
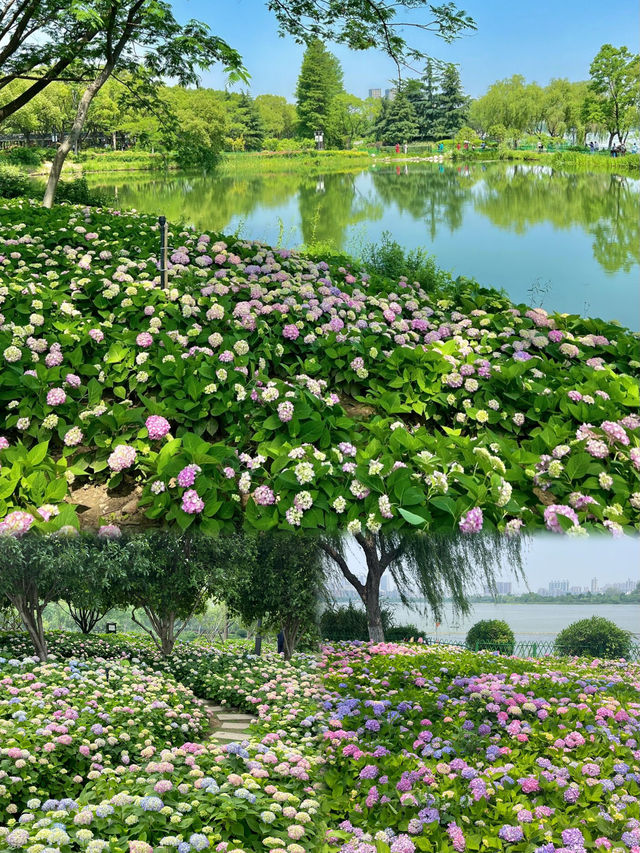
x,y
78,192
24,156
389,258
349,623
492,634
595,637
399,633
13,183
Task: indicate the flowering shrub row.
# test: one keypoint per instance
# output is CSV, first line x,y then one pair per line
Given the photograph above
x,y
454,751
265,386
109,754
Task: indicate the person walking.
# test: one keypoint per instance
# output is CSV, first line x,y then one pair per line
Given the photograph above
x,y
397,147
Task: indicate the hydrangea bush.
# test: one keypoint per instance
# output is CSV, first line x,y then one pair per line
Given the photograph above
x,y
265,386
389,748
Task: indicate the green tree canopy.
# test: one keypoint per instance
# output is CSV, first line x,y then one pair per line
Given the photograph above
x,y
615,79
319,82
397,122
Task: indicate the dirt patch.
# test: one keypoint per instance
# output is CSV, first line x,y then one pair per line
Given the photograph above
x,y
355,409
95,505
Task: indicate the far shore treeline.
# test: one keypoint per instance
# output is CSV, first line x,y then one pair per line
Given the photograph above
x,y
198,124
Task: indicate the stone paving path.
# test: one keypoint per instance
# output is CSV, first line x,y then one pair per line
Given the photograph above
x,y
226,725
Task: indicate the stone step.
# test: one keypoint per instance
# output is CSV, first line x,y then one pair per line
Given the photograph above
x,y
214,708
235,717
221,734
240,726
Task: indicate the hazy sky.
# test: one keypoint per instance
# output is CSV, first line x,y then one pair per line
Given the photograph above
x,y
540,40
551,557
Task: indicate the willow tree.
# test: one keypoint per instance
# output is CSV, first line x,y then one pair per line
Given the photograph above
x,y
434,566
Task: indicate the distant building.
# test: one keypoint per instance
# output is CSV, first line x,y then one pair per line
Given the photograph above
x,y
375,93
503,587
558,587
594,585
543,591
390,94
576,590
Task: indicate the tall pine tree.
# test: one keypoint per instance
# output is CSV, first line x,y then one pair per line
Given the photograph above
x,y
397,122
253,129
452,104
319,82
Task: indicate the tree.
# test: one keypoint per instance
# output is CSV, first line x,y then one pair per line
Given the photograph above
x,y
510,103
51,40
452,104
93,570
170,578
349,118
615,78
434,566
277,115
142,39
281,586
250,124
397,122
31,577
319,82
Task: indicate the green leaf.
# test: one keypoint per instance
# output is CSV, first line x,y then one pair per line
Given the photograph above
x,y
411,517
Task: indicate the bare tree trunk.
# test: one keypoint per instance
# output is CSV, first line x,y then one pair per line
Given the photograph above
x,y
114,141
32,620
290,632
71,139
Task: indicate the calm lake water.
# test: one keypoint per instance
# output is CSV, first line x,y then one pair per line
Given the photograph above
x,y
567,242
527,621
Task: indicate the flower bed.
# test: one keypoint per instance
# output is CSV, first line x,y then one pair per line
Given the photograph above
x,y
396,748
452,751
122,764
289,392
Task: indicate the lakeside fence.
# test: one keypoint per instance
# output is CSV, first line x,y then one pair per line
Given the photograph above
x,y
521,649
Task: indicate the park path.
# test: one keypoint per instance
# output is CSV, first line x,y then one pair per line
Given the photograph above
x,y
225,724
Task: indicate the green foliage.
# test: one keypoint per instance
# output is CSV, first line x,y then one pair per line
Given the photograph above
x,y
319,82
23,156
491,634
14,183
391,260
594,637
350,623
397,121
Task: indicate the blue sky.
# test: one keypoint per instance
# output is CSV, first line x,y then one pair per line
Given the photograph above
x,y
549,557
540,40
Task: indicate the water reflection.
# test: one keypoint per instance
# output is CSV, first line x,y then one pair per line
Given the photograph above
x,y
507,225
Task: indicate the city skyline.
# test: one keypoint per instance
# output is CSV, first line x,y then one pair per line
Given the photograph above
x,y
551,558
542,41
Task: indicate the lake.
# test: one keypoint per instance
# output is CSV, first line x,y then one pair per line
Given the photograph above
x,y
566,242
529,622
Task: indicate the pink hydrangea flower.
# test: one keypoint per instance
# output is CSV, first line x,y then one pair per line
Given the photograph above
x,y
471,521
291,332
551,514
192,502
157,426
144,339
122,457
56,397
17,523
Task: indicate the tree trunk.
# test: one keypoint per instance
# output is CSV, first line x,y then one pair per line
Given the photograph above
x,y
611,138
71,139
290,631
114,141
257,650
371,602
32,621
